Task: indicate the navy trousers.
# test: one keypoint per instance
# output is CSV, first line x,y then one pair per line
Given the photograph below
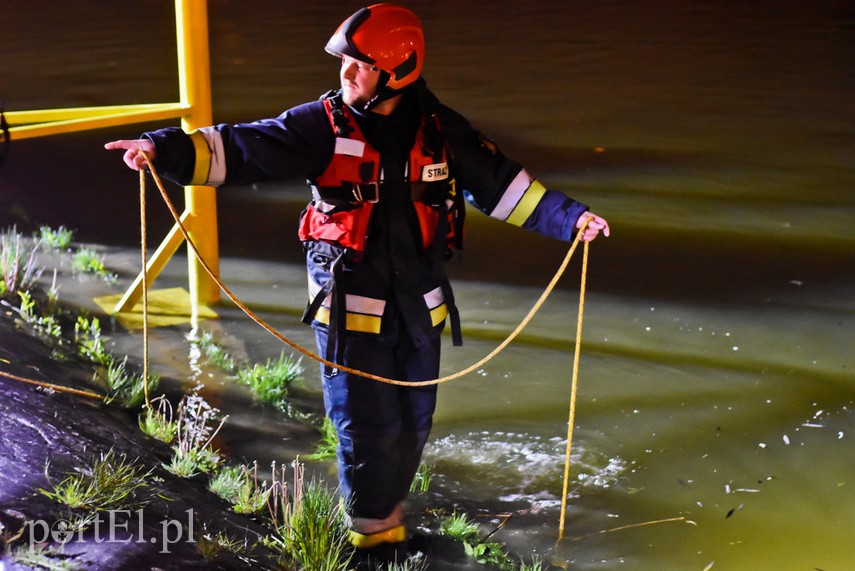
x,y
382,428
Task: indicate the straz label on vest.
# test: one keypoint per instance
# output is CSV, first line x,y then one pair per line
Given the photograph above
x,y
438,171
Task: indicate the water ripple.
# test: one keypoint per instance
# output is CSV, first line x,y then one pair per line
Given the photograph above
x,y
517,466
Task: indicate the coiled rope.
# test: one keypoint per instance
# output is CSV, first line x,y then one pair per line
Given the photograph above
x,y
267,327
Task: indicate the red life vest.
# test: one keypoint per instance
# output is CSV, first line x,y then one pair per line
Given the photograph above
x,y
344,195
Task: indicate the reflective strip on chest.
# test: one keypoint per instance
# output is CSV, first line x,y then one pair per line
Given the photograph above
x,y
350,147
438,171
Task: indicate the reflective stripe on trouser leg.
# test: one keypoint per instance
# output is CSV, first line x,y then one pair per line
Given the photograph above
x,y
382,428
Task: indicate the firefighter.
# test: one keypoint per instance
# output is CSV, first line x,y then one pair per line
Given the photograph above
x,y
390,168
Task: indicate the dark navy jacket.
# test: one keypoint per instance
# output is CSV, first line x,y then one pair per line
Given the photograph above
x,y
301,143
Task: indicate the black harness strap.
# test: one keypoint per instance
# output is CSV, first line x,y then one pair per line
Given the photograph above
x,y
338,313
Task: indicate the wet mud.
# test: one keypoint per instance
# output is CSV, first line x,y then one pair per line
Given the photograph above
x,y
48,434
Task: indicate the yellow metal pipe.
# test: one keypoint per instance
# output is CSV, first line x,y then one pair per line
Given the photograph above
x,y
194,77
154,266
67,113
195,110
93,122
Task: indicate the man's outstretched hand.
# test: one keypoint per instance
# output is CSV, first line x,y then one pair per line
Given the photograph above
x,y
133,156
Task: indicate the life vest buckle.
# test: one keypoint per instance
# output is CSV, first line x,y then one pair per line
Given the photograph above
x,y
372,195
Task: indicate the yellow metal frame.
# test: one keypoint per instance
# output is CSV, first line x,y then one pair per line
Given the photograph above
x,y
194,109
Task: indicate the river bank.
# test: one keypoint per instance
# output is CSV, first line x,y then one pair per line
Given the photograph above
x,y
57,426
48,434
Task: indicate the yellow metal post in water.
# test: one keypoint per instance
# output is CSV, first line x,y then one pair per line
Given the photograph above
x,y
194,76
200,214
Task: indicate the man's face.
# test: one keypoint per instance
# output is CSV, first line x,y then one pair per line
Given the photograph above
x,y
358,81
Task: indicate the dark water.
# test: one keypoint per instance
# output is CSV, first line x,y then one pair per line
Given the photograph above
x,y
717,375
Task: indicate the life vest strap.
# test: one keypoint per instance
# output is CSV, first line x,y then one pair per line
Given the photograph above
x,y
432,193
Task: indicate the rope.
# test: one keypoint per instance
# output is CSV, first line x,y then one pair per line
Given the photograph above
x,y
573,386
51,386
267,327
143,246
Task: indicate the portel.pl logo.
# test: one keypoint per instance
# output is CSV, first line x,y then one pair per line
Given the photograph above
x,y
113,526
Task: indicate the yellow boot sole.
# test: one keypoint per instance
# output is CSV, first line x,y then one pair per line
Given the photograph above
x,y
395,534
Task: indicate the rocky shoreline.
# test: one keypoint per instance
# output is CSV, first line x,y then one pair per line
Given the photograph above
x,y
48,434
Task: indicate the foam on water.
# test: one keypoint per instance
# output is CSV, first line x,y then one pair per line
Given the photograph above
x,y
519,466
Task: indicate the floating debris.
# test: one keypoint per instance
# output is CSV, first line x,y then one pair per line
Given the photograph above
x,y
732,511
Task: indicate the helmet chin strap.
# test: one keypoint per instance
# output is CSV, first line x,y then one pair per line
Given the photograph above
x,y
383,93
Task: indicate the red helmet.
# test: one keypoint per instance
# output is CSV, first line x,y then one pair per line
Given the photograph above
x,y
387,36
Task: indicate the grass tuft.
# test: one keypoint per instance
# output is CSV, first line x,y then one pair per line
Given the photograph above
x,y
325,448
270,381
476,545
422,479
215,354
45,557
109,483
157,420
17,262
87,261
240,486
59,239
192,453
127,388
87,334
213,546
310,527
47,325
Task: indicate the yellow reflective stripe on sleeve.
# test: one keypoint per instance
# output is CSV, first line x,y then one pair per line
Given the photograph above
x,y
528,202
203,158
438,314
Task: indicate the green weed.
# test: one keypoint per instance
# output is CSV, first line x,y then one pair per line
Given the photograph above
x,y
478,547
422,479
47,325
326,448
87,335
215,354
87,261
240,486
59,239
18,262
188,463
192,453
109,483
49,558
157,420
535,565
310,524
127,388
414,563
213,546
270,381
